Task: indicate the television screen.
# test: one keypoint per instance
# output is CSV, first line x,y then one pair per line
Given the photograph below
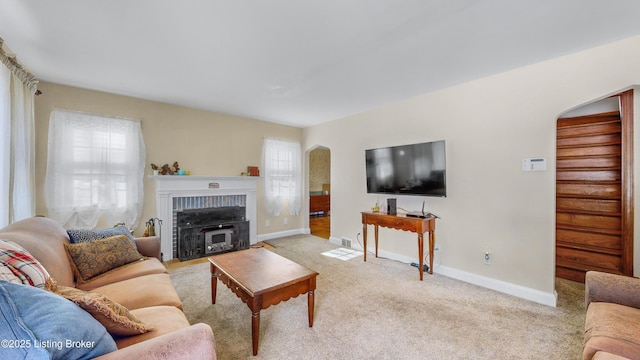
x,y
416,169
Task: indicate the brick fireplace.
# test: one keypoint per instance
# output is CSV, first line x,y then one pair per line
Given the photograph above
x,y
176,194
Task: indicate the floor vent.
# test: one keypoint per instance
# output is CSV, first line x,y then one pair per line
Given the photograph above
x,y
346,242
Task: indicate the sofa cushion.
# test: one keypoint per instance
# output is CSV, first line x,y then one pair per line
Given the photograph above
x,y
114,317
612,328
42,325
94,258
24,266
147,266
143,291
165,319
86,235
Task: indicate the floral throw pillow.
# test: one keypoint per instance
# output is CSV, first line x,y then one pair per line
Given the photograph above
x,y
114,317
94,258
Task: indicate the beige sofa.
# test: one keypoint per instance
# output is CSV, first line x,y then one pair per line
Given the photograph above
x,y
143,287
612,324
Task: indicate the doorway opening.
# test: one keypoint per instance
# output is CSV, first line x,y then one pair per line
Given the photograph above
x,y
320,192
594,189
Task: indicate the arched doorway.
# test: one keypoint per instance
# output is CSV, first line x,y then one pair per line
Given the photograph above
x,y
320,192
594,189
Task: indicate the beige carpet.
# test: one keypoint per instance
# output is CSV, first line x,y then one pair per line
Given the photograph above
x,y
380,310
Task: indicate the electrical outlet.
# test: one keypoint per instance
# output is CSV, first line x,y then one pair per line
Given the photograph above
x,y
487,258
267,223
286,221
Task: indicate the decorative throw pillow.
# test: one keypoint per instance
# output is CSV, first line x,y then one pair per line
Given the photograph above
x,y
85,235
93,258
7,275
22,264
41,325
114,317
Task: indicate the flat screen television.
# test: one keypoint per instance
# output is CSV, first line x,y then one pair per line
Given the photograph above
x,y
415,169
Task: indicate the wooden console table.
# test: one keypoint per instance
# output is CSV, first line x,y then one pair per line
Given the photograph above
x,y
406,223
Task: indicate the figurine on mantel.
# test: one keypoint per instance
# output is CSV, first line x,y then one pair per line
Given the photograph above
x,y
166,169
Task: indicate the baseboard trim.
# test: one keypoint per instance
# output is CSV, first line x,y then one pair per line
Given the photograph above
x,y
541,297
280,234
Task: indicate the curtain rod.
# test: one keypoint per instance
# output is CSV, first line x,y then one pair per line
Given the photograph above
x,y
11,62
280,139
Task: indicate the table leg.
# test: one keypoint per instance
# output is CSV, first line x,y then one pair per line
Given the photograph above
x,y
214,284
431,246
310,302
421,254
255,330
376,231
364,239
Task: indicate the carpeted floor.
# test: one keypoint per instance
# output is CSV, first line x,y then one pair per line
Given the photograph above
x,y
380,310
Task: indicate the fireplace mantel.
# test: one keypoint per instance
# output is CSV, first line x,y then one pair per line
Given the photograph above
x,y
169,187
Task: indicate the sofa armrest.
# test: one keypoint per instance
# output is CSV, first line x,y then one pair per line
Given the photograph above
x,y
149,246
194,342
612,288
602,355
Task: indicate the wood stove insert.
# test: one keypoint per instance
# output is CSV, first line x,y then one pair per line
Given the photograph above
x,y
205,232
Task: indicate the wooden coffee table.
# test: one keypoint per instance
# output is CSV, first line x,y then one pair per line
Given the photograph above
x,y
261,278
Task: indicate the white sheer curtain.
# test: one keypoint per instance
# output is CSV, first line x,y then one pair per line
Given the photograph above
x,y
17,149
95,169
281,166
5,142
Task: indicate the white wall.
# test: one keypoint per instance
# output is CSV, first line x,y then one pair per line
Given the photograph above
x,y
489,126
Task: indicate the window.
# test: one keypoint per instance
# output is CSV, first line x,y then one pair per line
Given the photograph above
x,y
95,169
281,164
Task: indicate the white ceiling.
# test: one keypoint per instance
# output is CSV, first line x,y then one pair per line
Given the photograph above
x,y
297,62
